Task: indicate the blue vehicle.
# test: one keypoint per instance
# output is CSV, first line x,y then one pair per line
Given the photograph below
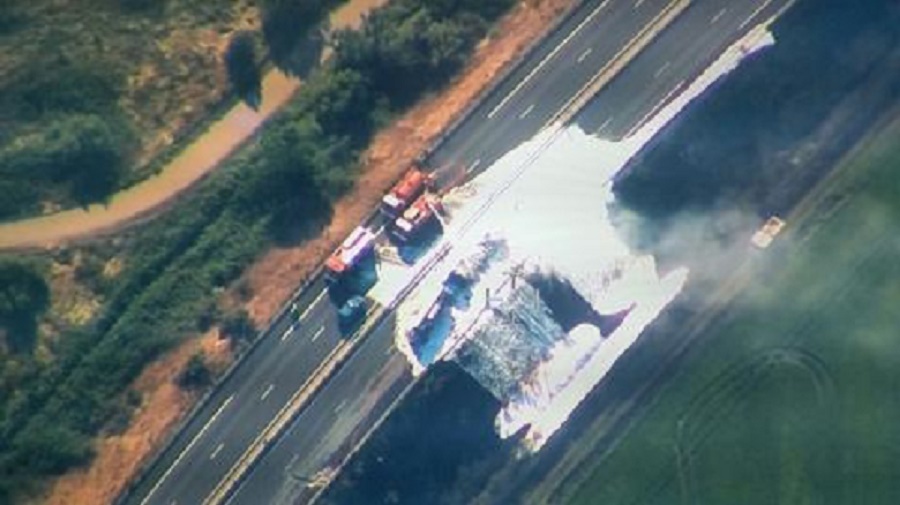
x,y
351,313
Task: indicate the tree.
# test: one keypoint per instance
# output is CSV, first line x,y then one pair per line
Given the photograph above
x,y
11,19
285,22
24,296
142,5
59,85
84,152
196,373
50,448
238,326
243,69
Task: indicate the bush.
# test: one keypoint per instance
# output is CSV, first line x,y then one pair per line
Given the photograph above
x,y
195,375
11,19
24,296
84,140
285,22
49,448
83,151
58,85
238,327
243,69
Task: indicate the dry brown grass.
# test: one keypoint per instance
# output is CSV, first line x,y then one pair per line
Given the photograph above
x,y
163,405
276,275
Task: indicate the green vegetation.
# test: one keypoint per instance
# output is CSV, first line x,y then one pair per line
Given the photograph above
x,y
285,22
80,141
238,327
279,189
86,91
24,296
81,155
792,399
196,374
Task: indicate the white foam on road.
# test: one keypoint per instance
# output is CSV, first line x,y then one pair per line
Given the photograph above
x,y
554,214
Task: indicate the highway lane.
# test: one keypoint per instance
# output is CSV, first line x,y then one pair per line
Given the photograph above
x,y
352,400
251,397
530,97
205,450
679,55
282,474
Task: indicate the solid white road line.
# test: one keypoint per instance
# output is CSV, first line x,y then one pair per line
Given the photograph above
x,y
186,449
718,16
217,451
313,304
527,111
547,58
585,54
265,393
755,12
318,333
656,108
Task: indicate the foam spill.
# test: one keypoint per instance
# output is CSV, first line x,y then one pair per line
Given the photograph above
x,y
549,199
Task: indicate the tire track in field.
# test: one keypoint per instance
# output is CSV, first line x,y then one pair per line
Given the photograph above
x,y
732,377
727,392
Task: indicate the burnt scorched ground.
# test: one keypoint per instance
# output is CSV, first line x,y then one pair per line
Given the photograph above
x,y
438,447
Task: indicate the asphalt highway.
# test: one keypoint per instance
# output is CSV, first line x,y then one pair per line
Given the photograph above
x,y
338,417
294,345
239,410
673,61
532,95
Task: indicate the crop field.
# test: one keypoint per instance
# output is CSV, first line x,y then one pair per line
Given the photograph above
x,y
793,398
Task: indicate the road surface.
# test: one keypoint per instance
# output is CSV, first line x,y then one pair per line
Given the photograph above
x,y
249,399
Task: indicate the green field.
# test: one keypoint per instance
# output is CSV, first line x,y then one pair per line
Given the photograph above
x,y
793,398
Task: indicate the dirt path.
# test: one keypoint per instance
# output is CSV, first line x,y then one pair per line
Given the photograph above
x,y
190,166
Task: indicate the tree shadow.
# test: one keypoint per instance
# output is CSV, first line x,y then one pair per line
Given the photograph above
x,y
306,56
20,335
296,222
